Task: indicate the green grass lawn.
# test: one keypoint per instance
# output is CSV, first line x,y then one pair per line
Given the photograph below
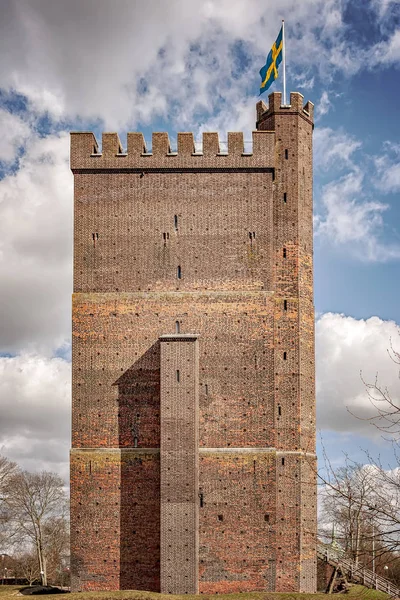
x,y
357,591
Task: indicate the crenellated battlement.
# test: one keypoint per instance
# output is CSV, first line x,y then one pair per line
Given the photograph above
x,y
275,106
85,152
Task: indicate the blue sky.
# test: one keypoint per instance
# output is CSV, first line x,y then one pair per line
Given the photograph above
x,y
193,66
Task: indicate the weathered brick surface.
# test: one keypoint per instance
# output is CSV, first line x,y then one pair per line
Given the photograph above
x,y
218,246
237,520
115,526
116,335
179,464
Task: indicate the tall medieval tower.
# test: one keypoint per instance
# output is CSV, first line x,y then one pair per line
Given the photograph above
x,y
193,438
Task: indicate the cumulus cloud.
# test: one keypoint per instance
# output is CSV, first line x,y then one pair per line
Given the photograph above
x,y
345,347
347,216
14,135
35,396
351,220
36,248
186,58
334,148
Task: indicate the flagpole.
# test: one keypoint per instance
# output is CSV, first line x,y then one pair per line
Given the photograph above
x,y
284,62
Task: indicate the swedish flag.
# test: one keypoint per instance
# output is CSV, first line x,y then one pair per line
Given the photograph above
x,y
269,71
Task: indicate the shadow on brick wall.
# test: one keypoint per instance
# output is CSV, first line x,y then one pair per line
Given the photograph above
x,y
139,402
139,431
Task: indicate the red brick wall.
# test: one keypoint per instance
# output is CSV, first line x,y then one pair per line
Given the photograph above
x,y
116,335
215,213
240,229
237,522
294,337
115,525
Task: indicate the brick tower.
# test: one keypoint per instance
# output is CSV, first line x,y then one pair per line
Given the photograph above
x,y
193,438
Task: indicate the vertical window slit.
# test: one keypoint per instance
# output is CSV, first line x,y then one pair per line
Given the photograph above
x,y
179,272
285,197
177,327
178,375
284,355
279,410
176,222
285,305
284,253
201,497
206,389
286,154
283,462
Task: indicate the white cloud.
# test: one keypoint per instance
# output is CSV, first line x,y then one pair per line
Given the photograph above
x,y
388,168
346,215
90,60
344,347
384,8
14,132
346,218
324,105
333,148
36,248
35,420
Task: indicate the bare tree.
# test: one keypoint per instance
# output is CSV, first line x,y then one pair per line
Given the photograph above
x,y
386,406
56,533
363,503
27,567
8,469
36,503
348,494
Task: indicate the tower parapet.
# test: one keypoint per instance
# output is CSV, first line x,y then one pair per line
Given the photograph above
x,y
275,106
85,153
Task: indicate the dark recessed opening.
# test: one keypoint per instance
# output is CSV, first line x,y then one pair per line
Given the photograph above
x,y
285,197
176,222
285,305
284,253
179,272
286,154
178,375
220,518
284,355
